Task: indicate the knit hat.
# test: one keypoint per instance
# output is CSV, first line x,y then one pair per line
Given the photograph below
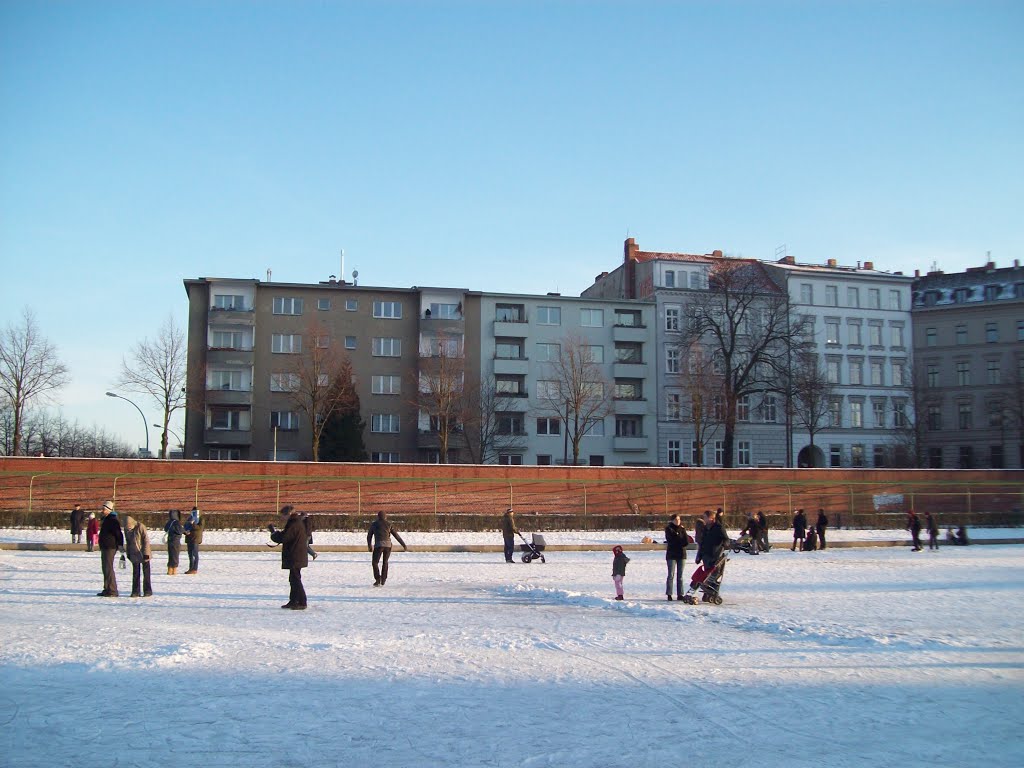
x,y
617,549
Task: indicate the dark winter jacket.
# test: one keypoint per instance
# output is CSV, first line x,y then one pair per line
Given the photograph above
x,y
619,564
194,529
822,523
933,527
698,530
752,527
307,523
380,533
712,543
799,525
913,523
77,517
293,543
173,527
675,540
111,536
508,525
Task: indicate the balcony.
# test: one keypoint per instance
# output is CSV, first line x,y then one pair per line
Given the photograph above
x,y
518,366
430,440
518,403
227,437
630,444
221,396
232,316
629,370
519,329
216,356
630,333
631,407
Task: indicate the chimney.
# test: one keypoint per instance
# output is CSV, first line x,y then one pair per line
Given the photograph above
x,y
791,260
629,249
717,254
869,265
832,263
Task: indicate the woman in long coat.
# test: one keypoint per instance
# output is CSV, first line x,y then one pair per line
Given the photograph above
x,y
174,533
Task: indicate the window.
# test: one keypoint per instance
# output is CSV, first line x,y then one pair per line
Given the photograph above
x,y
897,336
856,455
509,423
226,380
856,415
935,457
595,429
993,372
832,371
351,305
931,337
878,456
876,373
628,389
743,408
226,340
548,353
628,352
287,305
897,373
384,422
995,456
508,385
508,349
548,390
991,333
899,414
874,298
963,415
743,453
628,318
629,426
995,413
670,278
963,373
350,342
932,374
386,385
895,300
934,418
387,347
853,297
543,459
592,318
440,311
675,452
806,293
510,459
548,426
673,406
961,295
672,318
225,454
831,331
966,457
549,315
323,304
229,302
1020,329
284,382
719,453
835,455
390,310
878,409
835,413
769,409
698,279
596,460
961,334
592,353
284,420
385,457
856,371
831,296
853,332
286,343
672,360
875,334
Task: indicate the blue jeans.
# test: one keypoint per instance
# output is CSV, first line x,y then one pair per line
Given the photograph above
x,y
193,556
675,567
510,548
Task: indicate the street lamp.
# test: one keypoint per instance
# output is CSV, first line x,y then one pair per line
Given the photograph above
x,y
181,443
145,424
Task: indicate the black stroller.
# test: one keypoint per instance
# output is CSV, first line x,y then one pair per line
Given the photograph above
x,y
532,550
708,581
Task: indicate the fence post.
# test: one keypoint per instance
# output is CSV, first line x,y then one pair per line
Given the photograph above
x,y
359,497
113,496
510,494
968,502
277,497
435,499
586,523
197,493
666,498
31,482
853,511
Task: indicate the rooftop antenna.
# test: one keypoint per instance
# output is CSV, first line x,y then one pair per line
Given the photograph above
x,y
342,273
781,251
268,274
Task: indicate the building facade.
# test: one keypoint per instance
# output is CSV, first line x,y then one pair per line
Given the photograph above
x,y
969,342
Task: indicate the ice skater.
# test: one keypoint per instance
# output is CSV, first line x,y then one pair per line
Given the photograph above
x,y
378,541
293,555
618,570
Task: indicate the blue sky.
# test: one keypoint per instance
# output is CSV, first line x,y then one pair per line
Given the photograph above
x,y
489,145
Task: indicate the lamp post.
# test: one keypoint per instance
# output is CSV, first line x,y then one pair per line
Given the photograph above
x,y
145,424
181,443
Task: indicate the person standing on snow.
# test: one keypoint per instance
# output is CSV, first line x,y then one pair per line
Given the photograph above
x,y
799,529
508,533
92,532
293,541
174,533
619,562
676,540
111,539
193,538
762,524
378,541
820,527
933,531
77,518
914,526
136,544
698,530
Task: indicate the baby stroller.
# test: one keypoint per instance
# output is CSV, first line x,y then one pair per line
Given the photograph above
x,y
532,550
708,580
745,543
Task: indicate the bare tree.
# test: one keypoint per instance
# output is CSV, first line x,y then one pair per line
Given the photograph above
x,y
320,381
744,321
576,392
1013,402
482,428
812,396
439,390
910,425
29,370
703,392
158,368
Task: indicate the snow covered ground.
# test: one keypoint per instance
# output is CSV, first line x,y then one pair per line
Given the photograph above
x,y
848,657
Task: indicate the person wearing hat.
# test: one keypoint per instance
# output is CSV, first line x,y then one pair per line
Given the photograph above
x,y
111,540
508,533
77,518
294,556
139,551
92,532
619,562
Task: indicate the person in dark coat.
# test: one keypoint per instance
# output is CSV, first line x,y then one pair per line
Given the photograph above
x,y
77,518
378,541
92,532
712,543
914,526
762,524
293,541
933,530
307,523
698,529
810,542
753,530
676,540
174,533
820,527
799,530
193,538
111,540
508,533
619,563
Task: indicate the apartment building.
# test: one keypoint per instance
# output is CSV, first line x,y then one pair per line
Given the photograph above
x,y
859,324
969,342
